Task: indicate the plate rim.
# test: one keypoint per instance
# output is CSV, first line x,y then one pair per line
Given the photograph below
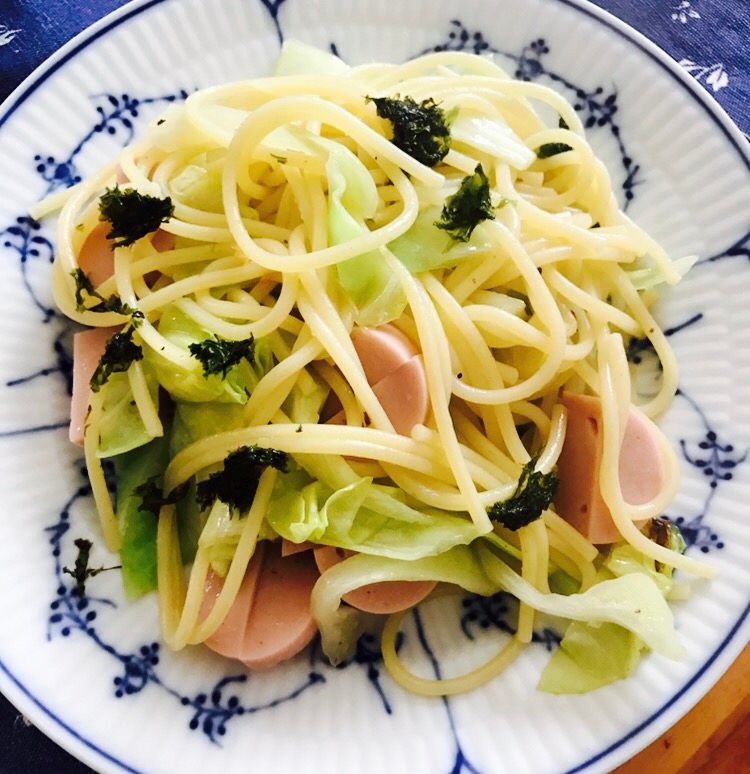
x,y
705,677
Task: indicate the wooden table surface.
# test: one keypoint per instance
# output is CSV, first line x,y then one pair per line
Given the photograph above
x,y
713,738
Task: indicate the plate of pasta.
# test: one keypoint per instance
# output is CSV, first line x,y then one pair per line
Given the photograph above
x,y
373,389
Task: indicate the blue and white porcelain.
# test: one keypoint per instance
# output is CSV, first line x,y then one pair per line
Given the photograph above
x,y
92,673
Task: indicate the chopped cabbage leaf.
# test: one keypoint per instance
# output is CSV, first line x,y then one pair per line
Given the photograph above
x,y
589,657
298,58
632,601
646,275
138,527
374,290
425,247
362,517
122,428
198,187
191,384
492,137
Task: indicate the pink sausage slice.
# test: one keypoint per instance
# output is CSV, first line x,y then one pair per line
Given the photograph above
x,y
226,639
97,258
641,469
382,350
88,348
395,370
288,548
163,241
270,620
403,395
382,598
281,622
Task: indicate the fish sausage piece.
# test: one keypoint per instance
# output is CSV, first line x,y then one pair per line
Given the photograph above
x,y
270,619
163,241
281,622
227,638
404,397
382,598
288,548
97,257
396,373
88,348
641,468
382,350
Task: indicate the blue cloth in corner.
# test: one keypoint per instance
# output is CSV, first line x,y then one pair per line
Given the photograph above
x,y
709,38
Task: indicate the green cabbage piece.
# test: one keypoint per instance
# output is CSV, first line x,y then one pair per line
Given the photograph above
x,y
138,528
425,247
624,560
193,421
646,275
191,384
306,400
362,517
122,428
298,58
592,655
199,188
589,657
492,137
352,198
632,601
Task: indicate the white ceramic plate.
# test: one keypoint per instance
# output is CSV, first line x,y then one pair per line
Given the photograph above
x,y
95,679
